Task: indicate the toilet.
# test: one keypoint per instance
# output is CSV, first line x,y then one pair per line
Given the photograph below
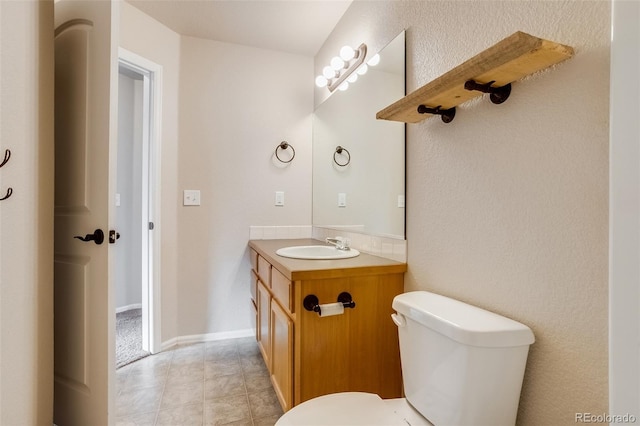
x,y
461,365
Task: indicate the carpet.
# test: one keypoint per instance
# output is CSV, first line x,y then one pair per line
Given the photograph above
x,y
129,337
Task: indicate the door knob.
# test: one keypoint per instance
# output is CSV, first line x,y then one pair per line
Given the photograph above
x,y
97,237
113,236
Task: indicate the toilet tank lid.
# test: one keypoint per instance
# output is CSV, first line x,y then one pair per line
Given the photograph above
x,y
462,322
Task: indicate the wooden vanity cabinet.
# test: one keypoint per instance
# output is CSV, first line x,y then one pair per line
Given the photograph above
x,y
356,351
308,355
274,326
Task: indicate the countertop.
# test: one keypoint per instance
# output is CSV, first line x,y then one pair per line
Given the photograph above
x,y
301,269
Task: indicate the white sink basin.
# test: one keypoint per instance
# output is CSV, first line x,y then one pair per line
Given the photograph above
x,y
316,252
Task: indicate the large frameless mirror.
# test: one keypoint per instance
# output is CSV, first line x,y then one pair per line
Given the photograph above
x,y
358,161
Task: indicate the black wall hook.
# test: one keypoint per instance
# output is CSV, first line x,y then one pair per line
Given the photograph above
x,y
9,193
7,155
447,115
497,95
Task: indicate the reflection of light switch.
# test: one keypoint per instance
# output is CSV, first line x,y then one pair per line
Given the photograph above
x,y
342,199
279,198
401,201
191,197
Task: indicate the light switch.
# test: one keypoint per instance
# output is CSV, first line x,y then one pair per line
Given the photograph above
x,y
117,200
191,197
401,201
342,199
279,198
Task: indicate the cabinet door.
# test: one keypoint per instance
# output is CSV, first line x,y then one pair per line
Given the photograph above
x,y
282,355
263,329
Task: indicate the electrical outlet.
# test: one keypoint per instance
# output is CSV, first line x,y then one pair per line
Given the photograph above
x,y
191,197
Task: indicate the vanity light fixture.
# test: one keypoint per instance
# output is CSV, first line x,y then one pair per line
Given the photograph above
x,y
340,71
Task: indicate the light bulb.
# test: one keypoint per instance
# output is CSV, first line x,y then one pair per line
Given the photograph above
x,y
375,60
321,81
328,72
363,69
337,63
347,53
353,77
344,86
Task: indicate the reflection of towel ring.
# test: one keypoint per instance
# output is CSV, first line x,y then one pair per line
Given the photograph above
x,y
339,150
284,145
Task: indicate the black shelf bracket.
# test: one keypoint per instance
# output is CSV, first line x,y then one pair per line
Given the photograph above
x,y
497,95
447,115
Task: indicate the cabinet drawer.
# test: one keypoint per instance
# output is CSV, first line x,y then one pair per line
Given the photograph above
x,y
264,271
253,257
281,287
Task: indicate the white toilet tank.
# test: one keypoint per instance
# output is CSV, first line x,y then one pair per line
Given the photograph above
x,y
461,365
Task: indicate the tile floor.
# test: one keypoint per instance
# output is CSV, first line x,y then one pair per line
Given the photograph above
x,y
215,383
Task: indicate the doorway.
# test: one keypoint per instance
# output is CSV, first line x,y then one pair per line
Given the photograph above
x,y
137,203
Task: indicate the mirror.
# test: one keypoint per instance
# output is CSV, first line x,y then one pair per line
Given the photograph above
x,y
362,188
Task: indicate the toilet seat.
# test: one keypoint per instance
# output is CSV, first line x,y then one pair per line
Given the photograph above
x,y
352,408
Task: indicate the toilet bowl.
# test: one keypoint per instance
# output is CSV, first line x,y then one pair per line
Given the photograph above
x,y
461,365
353,408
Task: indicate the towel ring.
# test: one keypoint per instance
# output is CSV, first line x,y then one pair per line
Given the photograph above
x,y
283,146
339,150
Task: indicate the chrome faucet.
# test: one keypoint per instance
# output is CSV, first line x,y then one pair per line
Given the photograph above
x,y
341,243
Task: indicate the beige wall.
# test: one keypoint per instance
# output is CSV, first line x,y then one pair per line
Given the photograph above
x,y
237,103
507,207
26,219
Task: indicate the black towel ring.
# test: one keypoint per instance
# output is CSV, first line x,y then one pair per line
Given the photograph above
x,y
283,146
7,155
339,150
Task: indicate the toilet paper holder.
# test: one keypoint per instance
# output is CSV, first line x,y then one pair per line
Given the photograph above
x,y
312,303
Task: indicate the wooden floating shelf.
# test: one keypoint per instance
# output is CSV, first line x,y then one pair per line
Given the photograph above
x,y
509,60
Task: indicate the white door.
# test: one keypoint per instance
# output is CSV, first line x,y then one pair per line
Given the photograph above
x,y
86,141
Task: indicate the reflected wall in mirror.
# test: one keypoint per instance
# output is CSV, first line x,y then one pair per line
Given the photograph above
x,y
366,195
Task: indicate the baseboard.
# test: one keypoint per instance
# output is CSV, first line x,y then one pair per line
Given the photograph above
x,y
209,337
129,307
